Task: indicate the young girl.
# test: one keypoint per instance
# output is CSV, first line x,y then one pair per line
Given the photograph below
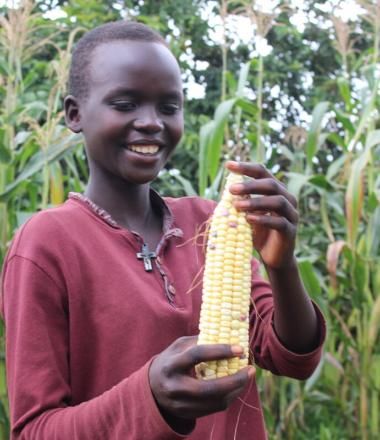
x,y
101,320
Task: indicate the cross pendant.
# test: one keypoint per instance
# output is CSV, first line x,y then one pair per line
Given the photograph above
x,y
146,255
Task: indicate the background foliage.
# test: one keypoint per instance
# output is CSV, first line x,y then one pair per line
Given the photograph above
x,y
303,99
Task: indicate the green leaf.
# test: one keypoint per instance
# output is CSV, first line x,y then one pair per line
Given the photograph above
x,y
313,379
320,181
310,280
345,92
374,236
296,182
213,191
243,79
248,106
186,184
373,139
374,324
355,191
230,80
204,136
287,153
313,142
335,167
370,72
344,119
21,137
354,198
217,136
361,277
5,153
372,202
336,139
36,163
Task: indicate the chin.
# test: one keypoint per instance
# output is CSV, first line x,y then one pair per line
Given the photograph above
x,y
141,179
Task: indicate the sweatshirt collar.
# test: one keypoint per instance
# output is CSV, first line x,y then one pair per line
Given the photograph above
x,y
157,201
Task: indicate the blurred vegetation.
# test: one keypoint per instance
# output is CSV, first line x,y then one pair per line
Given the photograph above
x,y
308,108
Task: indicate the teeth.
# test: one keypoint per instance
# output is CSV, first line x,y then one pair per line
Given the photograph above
x,y
144,149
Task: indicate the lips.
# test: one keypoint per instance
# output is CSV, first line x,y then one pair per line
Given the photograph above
x,y
143,149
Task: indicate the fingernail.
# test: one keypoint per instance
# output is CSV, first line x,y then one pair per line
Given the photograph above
x,y
253,218
237,187
232,162
242,204
237,350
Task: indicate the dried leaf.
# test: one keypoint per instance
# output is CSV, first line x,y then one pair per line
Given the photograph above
x,y
333,252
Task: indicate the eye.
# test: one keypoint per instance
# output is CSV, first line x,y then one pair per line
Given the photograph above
x,y
124,106
169,108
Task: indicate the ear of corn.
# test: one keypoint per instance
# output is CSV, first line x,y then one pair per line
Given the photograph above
x,y
224,315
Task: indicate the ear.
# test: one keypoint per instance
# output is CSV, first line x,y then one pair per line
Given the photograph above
x,y
72,114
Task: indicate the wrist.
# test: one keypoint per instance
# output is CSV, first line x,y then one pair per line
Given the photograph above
x,y
180,425
177,424
290,265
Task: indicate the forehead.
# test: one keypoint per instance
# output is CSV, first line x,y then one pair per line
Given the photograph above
x,y
134,63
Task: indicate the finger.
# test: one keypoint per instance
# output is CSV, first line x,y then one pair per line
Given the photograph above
x,y
255,170
274,204
272,222
265,186
199,407
202,353
223,388
183,343
197,398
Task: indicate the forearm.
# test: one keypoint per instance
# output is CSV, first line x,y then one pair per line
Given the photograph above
x,y
125,411
295,320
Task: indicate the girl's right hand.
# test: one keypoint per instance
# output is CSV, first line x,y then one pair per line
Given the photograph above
x,y
183,398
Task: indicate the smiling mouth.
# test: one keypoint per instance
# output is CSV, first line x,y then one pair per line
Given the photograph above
x,y
144,149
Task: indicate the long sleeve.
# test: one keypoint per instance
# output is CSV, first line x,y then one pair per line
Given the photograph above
x,y
37,354
84,320
267,350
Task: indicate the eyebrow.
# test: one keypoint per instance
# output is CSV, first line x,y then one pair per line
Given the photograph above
x,y
132,92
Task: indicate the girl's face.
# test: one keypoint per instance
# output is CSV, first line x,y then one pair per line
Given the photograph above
x,y
132,117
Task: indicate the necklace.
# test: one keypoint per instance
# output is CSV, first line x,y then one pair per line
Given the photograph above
x,y
146,255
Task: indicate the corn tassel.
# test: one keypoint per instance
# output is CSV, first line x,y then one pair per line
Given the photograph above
x,y
224,315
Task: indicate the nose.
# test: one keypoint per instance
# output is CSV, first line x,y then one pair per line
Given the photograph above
x,y
149,121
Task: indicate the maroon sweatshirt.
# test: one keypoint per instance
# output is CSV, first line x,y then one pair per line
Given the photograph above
x,y
84,320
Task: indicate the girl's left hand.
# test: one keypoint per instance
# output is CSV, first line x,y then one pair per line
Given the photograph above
x,y
273,216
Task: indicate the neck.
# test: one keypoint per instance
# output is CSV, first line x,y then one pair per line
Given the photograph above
x,y
128,204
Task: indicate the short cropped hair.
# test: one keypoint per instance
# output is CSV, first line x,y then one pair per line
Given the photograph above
x,y
113,31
